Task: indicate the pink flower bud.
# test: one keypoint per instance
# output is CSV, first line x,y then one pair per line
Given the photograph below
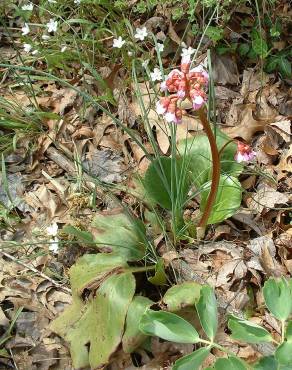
x,y
198,101
244,153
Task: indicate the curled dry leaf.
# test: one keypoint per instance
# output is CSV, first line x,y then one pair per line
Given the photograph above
x,y
247,125
105,164
224,70
267,197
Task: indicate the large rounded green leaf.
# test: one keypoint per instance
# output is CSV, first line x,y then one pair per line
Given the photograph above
x,y
168,326
192,361
166,181
119,233
198,152
247,331
207,311
228,199
278,297
94,328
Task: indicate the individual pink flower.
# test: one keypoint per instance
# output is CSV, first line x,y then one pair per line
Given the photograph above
x,y
244,153
183,84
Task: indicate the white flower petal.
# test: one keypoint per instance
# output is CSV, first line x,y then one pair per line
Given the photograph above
x,y
160,47
54,245
118,43
27,7
25,29
141,33
52,25
156,75
27,48
52,230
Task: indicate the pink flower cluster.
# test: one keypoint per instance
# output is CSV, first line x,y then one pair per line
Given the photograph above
x,y
183,84
244,153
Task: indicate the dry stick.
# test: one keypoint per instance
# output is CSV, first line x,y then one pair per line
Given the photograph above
x,y
215,169
31,268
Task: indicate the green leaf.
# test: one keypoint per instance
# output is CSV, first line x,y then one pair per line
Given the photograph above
x,y
215,33
119,233
231,363
80,235
207,311
259,45
166,181
91,269
243,49
271,64
168,326
284,353
228,199
267,363
285,67
278,297
133,337
192,361
4,353
198,153
160,276
94,329
247,331
288,333
181,295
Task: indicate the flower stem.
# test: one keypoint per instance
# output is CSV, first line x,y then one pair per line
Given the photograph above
x,y
215,169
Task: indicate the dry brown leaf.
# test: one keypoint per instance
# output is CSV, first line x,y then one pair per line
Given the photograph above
x,y
252,81
267,197
247,124
224,70
283,128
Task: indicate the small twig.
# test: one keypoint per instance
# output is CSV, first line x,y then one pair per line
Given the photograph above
x,y
30,267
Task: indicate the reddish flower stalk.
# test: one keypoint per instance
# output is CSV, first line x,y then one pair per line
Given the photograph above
x,y
216,167
191,84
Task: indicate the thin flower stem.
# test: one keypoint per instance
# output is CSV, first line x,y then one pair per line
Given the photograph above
x,y
282,331
215,170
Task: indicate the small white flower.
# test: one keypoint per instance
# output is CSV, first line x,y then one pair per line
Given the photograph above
x,y
187,52
145,63
118,43
35,52
45,37
130,53
52,25
77,1
54,245
52,230
27,48
52,1
156,75
63,49
141,33
160,47
27,7
25,29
